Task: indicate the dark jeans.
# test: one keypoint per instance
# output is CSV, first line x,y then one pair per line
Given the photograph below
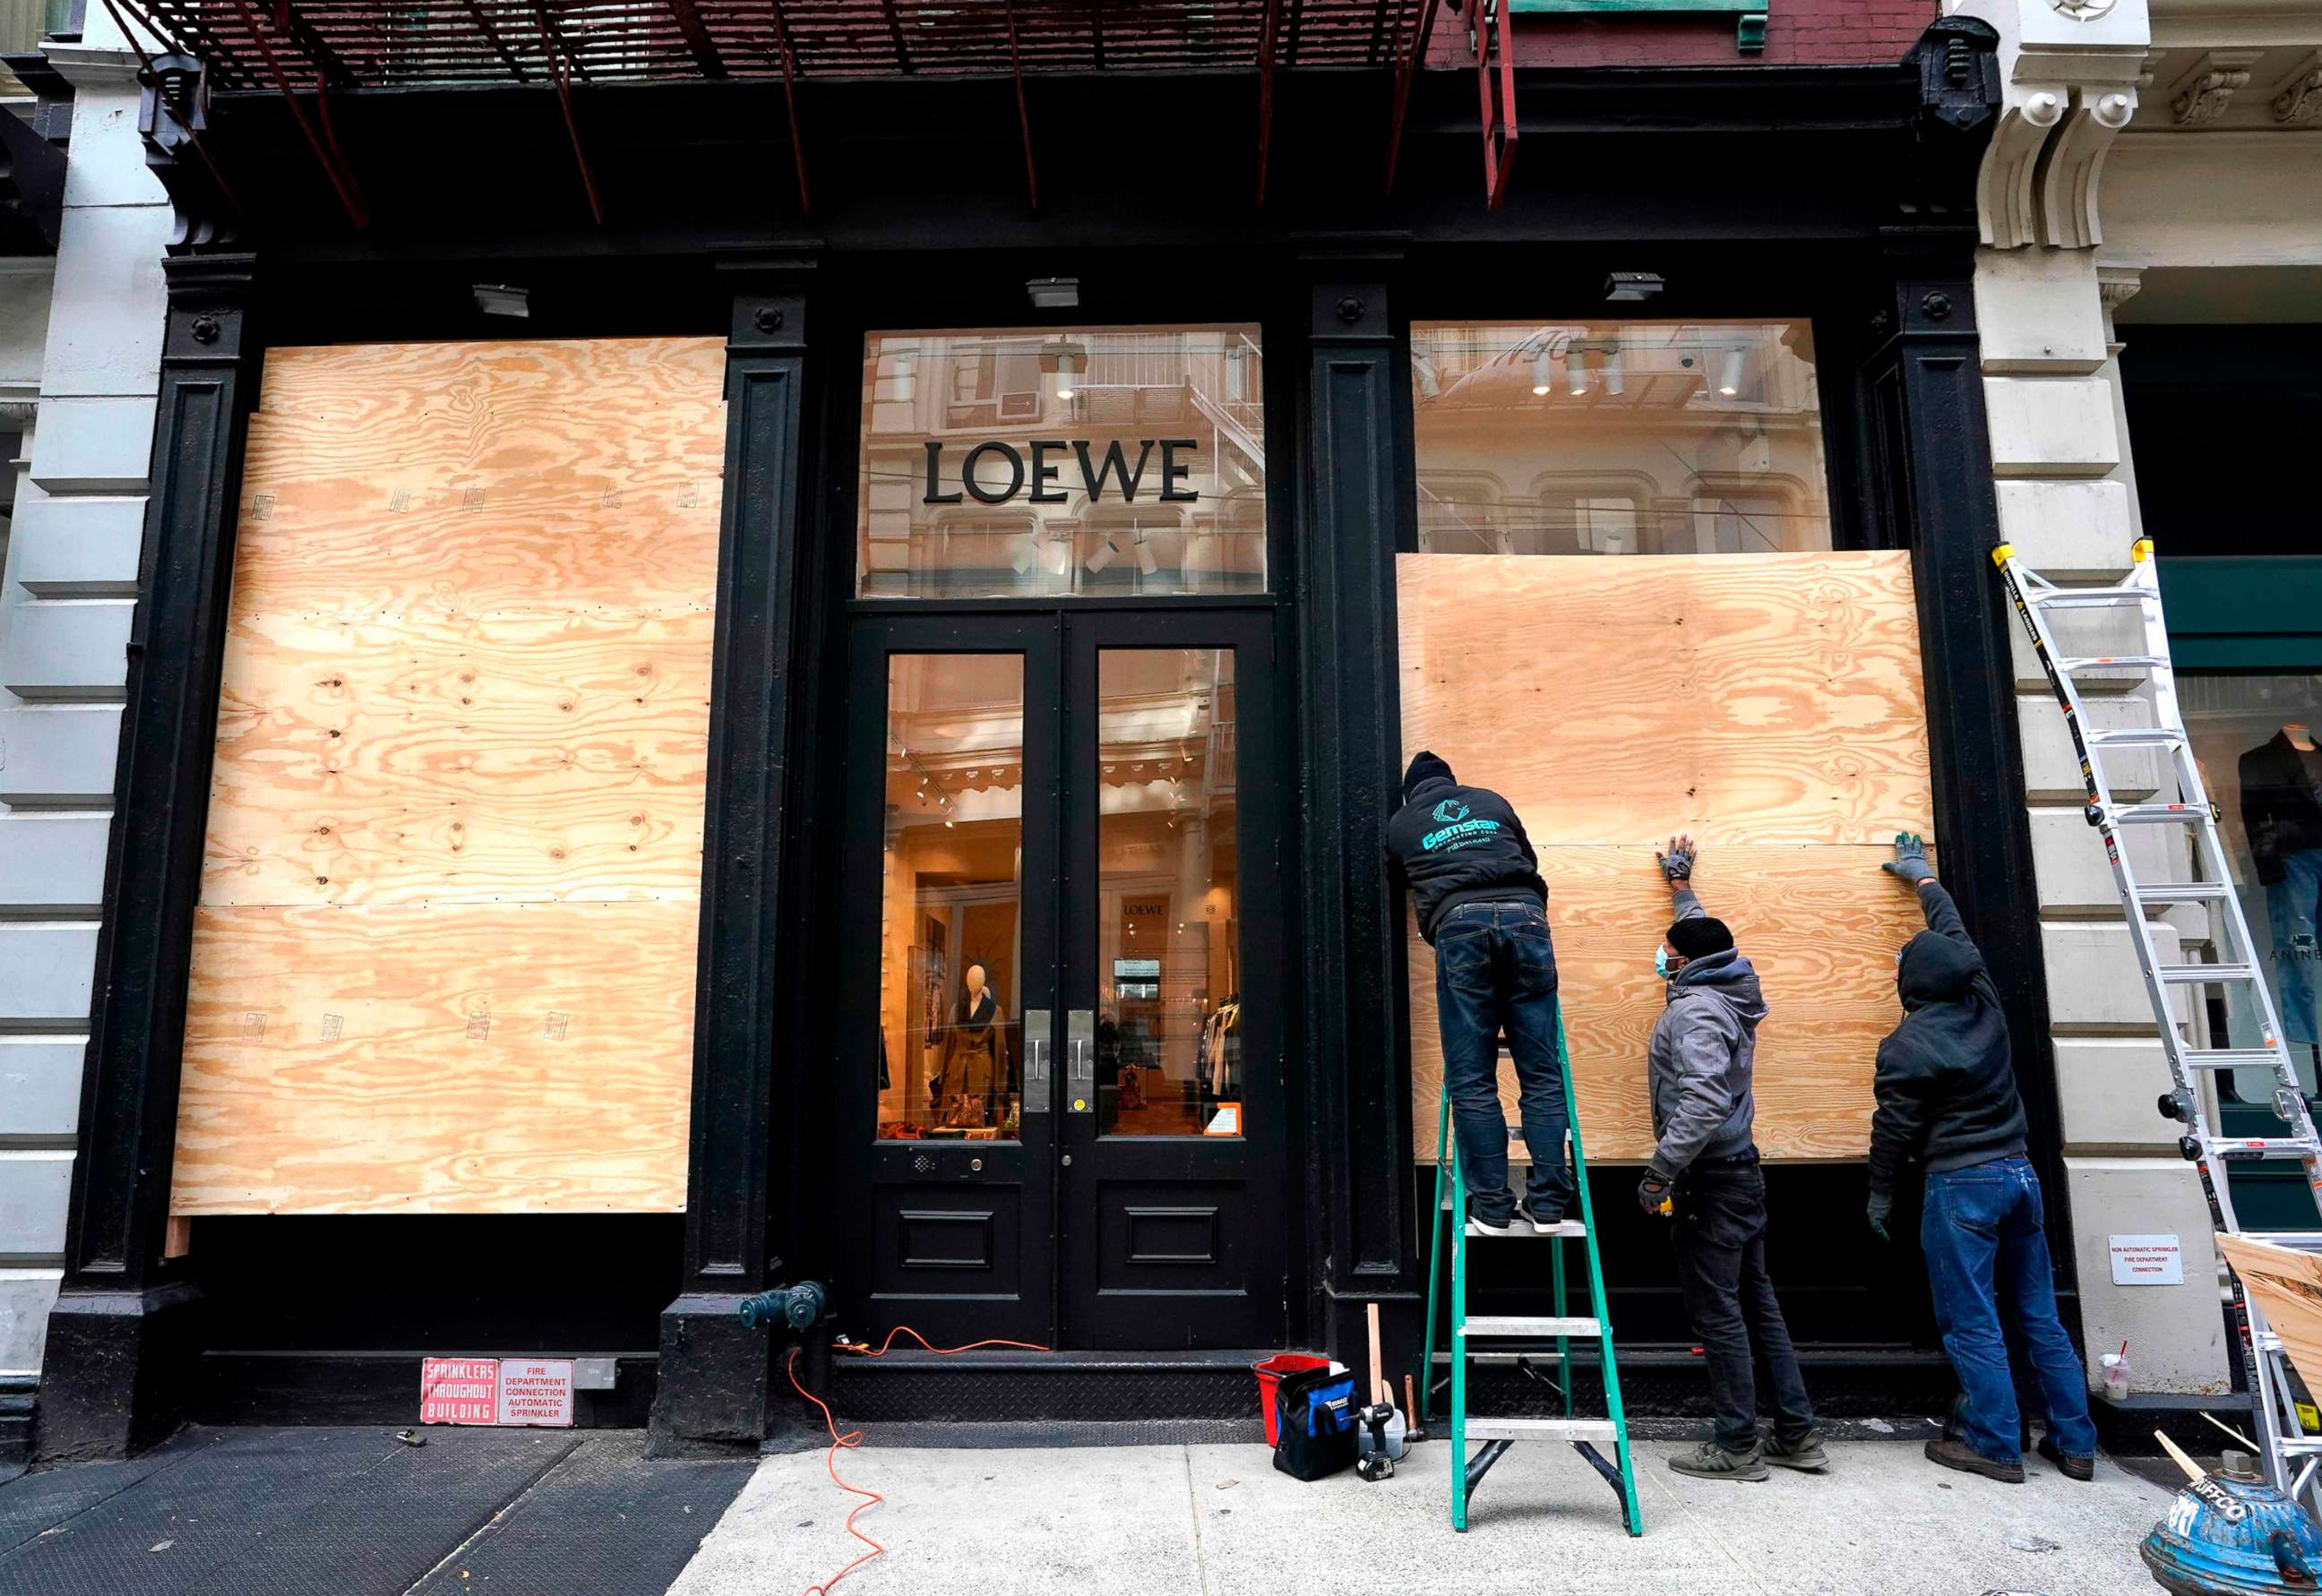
x,y
1984,1243
1720,1235
1495,972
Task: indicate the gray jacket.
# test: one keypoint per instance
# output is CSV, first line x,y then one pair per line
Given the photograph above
x,y
1699,1059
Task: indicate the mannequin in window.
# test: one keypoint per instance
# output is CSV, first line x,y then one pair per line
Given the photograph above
x,y
974,1059
2281,809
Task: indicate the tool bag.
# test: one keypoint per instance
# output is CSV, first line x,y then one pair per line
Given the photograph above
x,y
1318,1427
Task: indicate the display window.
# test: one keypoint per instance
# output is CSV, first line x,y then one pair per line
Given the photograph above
x,y
2254,737
1618,438
1111,462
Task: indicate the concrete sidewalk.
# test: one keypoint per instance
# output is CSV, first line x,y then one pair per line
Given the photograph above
x,y
1218,1521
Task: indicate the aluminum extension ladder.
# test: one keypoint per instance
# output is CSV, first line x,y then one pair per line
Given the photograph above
x,y
1507,1333
2292,1457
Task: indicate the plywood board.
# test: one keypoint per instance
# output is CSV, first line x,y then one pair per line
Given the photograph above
x,y
444,959
2286,1287
1770,706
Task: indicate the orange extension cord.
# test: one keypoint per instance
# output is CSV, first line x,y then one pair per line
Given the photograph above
x,y
854,1439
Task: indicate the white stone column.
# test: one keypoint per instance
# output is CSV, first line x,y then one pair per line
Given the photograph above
x,y
2067,501
66,598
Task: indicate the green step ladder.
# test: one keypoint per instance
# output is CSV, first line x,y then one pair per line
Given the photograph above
x,y
1499,1434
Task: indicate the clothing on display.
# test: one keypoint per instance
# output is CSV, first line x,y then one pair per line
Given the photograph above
x,y
2282,811
973,1077
1222,1049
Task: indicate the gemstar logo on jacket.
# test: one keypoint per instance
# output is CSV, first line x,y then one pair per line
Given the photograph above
x,y
1458,830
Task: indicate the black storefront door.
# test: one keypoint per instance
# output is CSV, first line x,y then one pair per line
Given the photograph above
x,y
1060,1100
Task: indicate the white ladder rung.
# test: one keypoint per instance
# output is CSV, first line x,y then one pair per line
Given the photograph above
x,y
1568,1230
2230,1058
2086,597
2159,814
2111,663
2301,1240
2262,1146
2179,891
2136,737
2203,975
1500,1327
1486,1427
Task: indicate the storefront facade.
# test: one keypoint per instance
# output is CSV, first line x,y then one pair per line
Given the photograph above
x,y
1027,677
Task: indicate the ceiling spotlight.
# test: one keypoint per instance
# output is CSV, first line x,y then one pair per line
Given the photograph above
x,y
1543,374
1629,287
1613,381
1575,374
1729,373
1053,293
1107,552
1068,366
1422,370
1148,560
499,299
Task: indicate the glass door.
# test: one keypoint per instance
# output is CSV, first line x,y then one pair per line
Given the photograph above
x,y
949,989
1061,1058
1170,1141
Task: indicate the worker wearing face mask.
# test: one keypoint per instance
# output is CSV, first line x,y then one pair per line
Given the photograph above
x,y
1705,1175
1947,1097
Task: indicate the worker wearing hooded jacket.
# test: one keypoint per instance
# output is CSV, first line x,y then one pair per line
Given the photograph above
x,y
1946,1094
1475,885
1704,1164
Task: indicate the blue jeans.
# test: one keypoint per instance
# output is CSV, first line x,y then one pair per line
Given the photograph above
x,y
2292,904
1495,972
1984,1242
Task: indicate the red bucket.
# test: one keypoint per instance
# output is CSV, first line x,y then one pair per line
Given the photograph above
x,y
1270,1376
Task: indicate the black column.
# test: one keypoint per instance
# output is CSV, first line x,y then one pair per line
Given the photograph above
x,y
1354,1056
119,1346
1935,460
714,1372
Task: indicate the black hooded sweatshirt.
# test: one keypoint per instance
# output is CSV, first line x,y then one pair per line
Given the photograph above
x,y
1945,1085
1452,844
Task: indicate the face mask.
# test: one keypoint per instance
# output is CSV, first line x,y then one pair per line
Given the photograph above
x,y
1661,965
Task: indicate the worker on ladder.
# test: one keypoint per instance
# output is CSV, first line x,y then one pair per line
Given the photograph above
x,y
1475,885
1703,1173
1946,1096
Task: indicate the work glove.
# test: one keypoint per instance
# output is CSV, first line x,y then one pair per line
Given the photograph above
x,y
1881,1205
1652,1191
1910,862
1677,864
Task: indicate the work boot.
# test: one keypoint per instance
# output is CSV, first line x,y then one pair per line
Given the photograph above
x,y
1804,1453
1967,1460
1541,1220
2071,1468
1709,1461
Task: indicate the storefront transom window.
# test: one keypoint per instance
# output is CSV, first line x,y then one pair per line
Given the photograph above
x,y
1618,438
1114,461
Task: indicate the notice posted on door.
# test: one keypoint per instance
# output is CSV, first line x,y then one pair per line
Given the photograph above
x,y
508,1392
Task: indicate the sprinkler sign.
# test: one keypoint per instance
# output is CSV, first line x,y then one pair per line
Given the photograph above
x,y
2147,1261
521,1392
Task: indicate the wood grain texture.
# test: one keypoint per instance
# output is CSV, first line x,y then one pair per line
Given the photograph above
x,y
1770,706
1743,698
2287,1286
526,1058
462,767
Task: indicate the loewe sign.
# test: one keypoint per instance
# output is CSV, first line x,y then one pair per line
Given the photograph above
x,y
1032,465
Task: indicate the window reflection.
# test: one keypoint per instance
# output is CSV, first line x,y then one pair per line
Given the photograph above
x,y
951,1030
2254,739
1618,438
1169,1034
1105,461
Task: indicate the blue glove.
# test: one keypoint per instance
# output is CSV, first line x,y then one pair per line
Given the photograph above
x,y
1910,861
1880,1206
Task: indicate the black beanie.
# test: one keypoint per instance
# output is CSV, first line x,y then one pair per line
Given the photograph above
x,y
1700,936
1424,767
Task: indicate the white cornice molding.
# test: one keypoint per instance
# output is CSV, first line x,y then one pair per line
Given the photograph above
x,y
94,66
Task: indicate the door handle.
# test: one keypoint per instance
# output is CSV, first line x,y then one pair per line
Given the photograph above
x,y
1036,1062
1079,1064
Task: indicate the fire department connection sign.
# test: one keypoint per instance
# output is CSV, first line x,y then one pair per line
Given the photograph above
x,y
2147,1261
506,1391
